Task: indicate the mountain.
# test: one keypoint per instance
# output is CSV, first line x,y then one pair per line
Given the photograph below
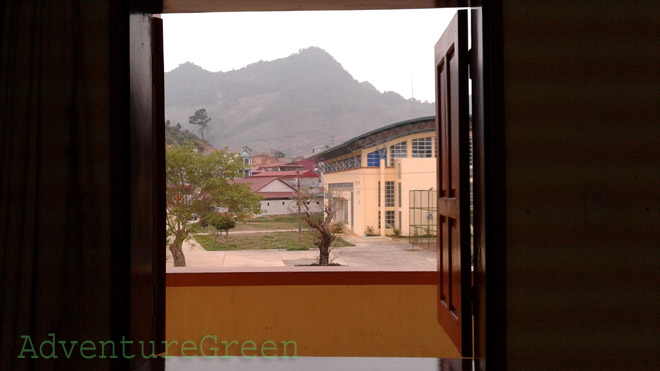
x,y
290,104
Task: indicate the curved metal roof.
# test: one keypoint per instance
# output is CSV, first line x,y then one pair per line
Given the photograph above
x,y
379,136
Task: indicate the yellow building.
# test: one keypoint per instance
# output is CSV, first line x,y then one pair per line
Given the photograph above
x,y
374,173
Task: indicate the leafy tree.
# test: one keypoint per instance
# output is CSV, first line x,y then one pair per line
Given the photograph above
x,y
198,183
221,222
202,119
175,135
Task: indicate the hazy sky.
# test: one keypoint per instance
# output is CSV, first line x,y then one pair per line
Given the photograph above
x,y
392,49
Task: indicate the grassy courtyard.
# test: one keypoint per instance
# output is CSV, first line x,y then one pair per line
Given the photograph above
x,y
264,223
260,241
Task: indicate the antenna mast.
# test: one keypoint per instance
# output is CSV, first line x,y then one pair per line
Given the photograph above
x,y
412,90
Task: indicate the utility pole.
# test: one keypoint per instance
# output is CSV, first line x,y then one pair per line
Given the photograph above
x,y
299,201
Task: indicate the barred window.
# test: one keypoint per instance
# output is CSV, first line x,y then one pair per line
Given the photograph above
x,y
389,194
422,148
373,158
344,164
399,194
389,219
397,151
340,186
379,198
354,162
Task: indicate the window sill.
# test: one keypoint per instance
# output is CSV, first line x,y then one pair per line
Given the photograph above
x,y
299,276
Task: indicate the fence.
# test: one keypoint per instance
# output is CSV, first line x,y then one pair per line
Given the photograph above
x,y
423,215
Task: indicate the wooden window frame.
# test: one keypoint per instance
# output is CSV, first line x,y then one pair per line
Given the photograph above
x,y
486,72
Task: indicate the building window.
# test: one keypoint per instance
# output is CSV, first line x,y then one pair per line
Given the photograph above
x,y
400,220
397,151
389,194
347,186
373,158
379,220
356,161
399,194
389,219
344,164
379,198
422,148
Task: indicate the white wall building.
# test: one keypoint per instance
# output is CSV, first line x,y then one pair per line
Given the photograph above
x,y
277,196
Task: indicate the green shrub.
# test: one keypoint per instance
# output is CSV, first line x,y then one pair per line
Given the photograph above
x,y
370,231
220,222
338,227
397,232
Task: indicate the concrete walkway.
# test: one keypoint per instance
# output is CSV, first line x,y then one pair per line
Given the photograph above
x,y
367,252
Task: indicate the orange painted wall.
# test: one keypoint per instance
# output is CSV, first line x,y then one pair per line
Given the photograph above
x,y
355,320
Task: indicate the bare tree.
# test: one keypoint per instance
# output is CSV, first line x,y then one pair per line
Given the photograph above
x,y
319,223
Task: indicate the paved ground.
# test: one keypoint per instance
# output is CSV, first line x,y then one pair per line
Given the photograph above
x,y
367,252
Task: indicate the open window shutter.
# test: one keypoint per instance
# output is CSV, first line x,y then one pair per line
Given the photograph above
x,y
159,175
452,130
146,260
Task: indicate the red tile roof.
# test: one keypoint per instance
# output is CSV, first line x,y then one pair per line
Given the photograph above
x,y
281,164
257,183
307,163
286,174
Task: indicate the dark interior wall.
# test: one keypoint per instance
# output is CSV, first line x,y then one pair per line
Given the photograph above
x,y
581,96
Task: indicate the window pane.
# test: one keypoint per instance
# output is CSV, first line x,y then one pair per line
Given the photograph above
x,y
422,148
389,219
397,151
389,194
373,158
